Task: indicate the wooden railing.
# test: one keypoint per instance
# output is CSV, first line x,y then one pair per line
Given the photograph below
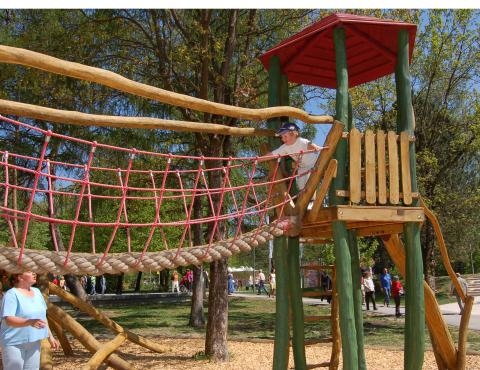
x,y
380,170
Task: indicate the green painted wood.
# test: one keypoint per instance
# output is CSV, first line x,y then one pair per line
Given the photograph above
x,y
296,304
414,300
357,298
274,81
345,299
282,332
340,233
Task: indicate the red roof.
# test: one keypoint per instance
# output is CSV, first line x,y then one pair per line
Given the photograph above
x,y
309,56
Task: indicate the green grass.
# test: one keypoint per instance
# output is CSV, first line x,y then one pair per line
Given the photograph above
x,y
249,319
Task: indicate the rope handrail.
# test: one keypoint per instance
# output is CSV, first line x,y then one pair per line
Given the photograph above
x,y
136,211
51,64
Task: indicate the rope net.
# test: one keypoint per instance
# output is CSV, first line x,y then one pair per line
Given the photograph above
x,y
99,218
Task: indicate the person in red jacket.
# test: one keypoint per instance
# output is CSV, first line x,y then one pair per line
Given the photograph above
x,y
397,292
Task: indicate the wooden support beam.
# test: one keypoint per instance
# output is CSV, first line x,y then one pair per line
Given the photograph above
x,y
106,350
365,213
84,337
331,142
330,174
436,325
106,321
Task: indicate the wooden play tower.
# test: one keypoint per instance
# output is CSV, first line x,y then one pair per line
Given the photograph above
x,y
370,179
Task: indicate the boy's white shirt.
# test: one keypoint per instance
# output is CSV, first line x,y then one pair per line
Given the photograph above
x,y
307,161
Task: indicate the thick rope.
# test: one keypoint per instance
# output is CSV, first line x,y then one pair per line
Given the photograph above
x,y
115,263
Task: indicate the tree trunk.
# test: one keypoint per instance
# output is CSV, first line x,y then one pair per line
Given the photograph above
x,y
217,324
197,318
138,282
119,288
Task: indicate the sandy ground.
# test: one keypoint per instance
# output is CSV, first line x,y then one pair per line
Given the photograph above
x,y
244,356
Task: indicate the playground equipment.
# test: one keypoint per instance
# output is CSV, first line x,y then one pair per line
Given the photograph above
x,y
378,196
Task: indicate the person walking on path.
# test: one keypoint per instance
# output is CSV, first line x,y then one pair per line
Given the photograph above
x,y
261,283
369,290
386,281
23,324
103,284
453,290
397,291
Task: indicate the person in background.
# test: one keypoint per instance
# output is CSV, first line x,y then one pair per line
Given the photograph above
x,y
273,282
62,284
175,282
362,287
453,290
23,324
103,284
261,283
397,291
369,290
386,282
230,283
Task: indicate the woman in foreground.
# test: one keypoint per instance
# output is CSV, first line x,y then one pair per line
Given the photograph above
x,y
24,324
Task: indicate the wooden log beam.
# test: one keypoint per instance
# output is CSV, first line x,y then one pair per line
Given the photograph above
x,y
62,338
84,337
99,316
85,119
436,325
12,55
331,142
106,350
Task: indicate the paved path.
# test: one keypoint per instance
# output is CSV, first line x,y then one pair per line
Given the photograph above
x,y
449,311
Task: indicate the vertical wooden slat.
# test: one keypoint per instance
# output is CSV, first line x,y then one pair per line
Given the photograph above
x,y
405,165
370,173
355,142
381,168
393,167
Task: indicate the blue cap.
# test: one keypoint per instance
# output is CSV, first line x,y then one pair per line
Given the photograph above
x,y
287,127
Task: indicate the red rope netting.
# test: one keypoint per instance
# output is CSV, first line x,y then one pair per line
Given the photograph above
x,y
98,207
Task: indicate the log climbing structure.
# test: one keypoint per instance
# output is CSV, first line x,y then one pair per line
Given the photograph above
x,y
363,184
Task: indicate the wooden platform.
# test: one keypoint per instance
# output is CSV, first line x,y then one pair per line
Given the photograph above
x,y
366,220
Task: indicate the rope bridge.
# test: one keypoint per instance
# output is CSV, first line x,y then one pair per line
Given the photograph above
x,y
105,219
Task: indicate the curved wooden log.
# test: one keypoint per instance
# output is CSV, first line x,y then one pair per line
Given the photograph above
x,y
62,338
436,325
463,333
47,63
84,337
106,321
106,350
443,249
85,119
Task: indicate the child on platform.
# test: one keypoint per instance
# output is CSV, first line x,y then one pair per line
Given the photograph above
x,y
293,144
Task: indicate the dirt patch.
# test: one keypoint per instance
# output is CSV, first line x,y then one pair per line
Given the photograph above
x,y
186,354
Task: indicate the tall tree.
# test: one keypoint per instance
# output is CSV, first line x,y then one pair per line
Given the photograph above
x,y
204,53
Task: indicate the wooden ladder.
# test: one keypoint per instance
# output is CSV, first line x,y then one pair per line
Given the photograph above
x,y
324,287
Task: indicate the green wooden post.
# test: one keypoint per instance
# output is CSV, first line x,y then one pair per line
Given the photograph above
x,y
340,233
282,328
357,298
414,301
296,304
281,344
293,275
